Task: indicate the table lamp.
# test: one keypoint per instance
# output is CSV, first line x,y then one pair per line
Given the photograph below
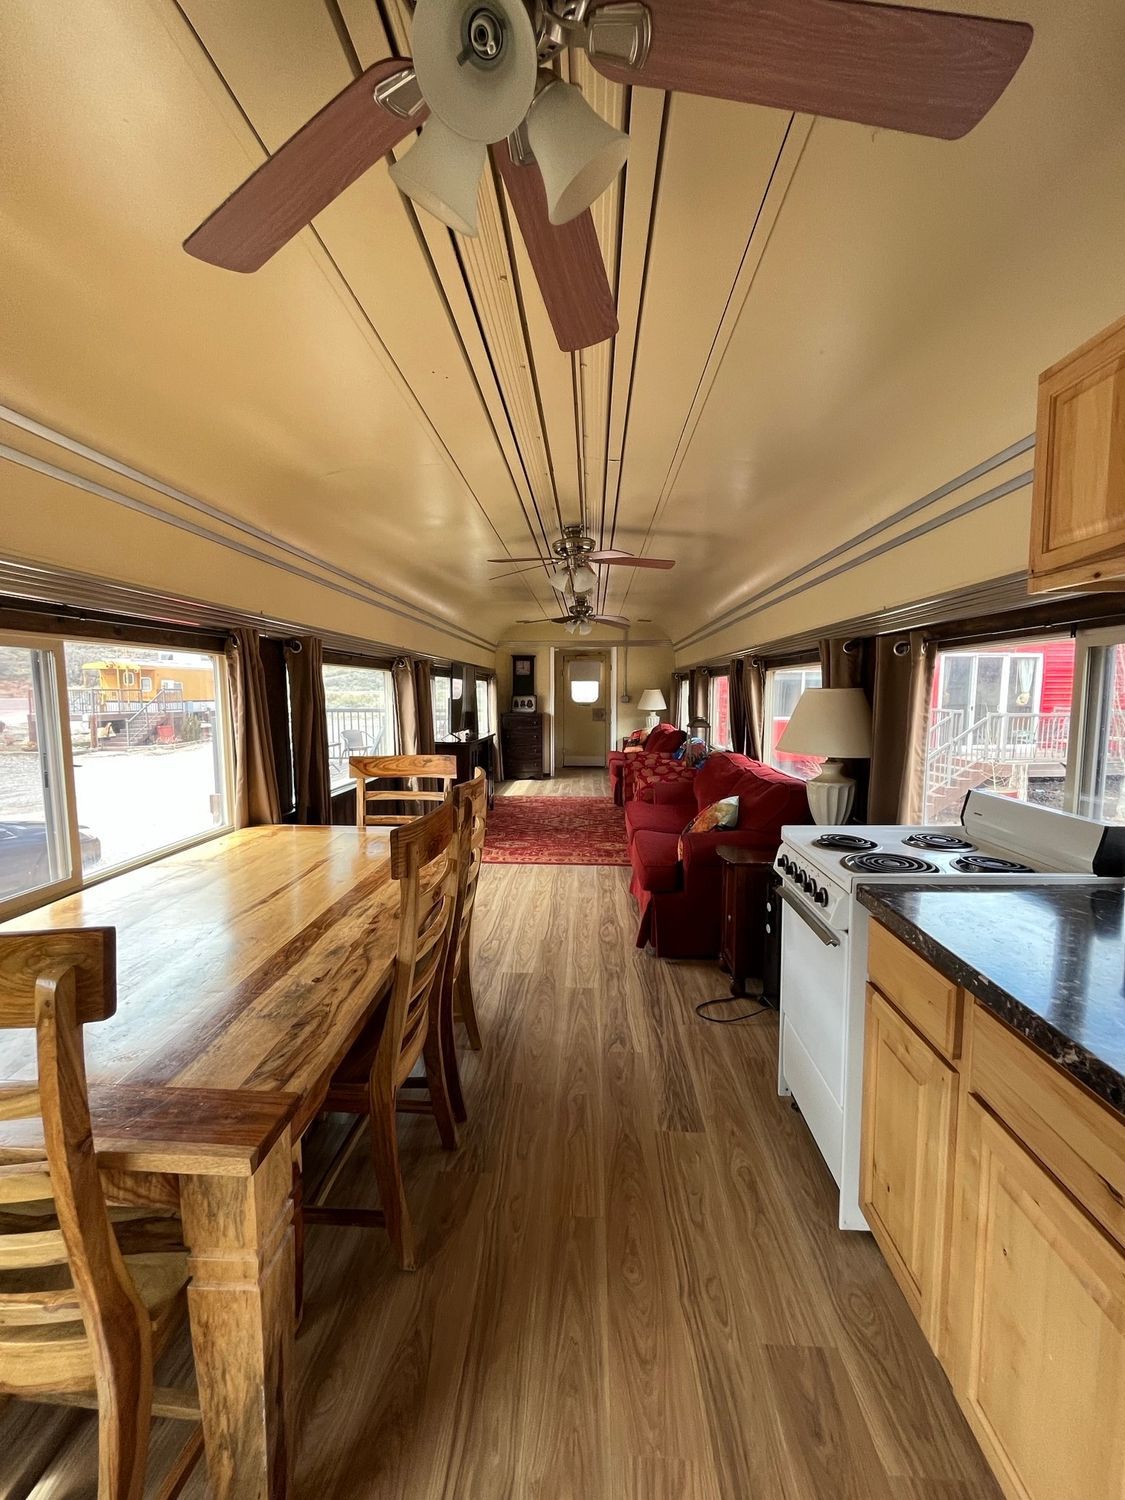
x,y
835,723
652,703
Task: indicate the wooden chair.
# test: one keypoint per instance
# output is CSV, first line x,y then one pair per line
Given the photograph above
x,y
424,860
376,768
81,1319
470,798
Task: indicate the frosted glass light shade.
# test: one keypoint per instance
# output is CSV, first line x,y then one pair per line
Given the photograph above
x,y
651,701
584,578
584,627
441,173
579,153
833,722
560,580
482,100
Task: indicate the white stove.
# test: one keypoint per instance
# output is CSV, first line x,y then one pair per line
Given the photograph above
x,y
824,937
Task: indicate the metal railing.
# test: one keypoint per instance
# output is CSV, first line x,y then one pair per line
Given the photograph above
x,y
994,740
355,731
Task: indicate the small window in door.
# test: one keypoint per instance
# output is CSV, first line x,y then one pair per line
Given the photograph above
x,y
584,680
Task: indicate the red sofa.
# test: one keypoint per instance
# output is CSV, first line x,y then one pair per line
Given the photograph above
x,y
663,740
679,901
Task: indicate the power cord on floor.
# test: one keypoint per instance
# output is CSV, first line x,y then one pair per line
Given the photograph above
x,y
751,1015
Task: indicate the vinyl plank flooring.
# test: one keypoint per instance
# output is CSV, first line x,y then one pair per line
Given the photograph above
x,y
631,1284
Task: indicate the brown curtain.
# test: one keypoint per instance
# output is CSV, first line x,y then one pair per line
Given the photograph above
x,y
494,723
739,706
423,708
256,795
849,663
754,687
903,676
304,660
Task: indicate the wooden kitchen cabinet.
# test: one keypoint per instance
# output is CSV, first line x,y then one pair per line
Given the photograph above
x,y
1039,1314
1078,507
906,1172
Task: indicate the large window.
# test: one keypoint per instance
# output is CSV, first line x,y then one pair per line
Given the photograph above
x,y
718,711
107,757
683,702
447,686
484,710
1096,785
361,719
1000,720
784,685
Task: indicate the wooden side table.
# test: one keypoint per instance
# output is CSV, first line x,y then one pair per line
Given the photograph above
x,y
745,888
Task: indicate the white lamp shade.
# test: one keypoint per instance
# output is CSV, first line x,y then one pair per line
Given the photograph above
x,y
579,154
584,627
560,580
651,701
584,578
480,99
441,173
832,722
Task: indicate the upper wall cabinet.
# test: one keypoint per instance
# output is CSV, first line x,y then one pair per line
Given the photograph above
x,y
1078,512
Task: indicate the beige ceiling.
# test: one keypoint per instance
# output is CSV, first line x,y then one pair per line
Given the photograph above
x,y
819,322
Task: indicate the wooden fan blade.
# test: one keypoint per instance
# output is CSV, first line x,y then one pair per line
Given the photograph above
x,y
626,560
566,258
518,559
924,71
611,620
328,153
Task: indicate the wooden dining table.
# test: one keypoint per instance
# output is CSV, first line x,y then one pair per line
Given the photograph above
x,y
246,967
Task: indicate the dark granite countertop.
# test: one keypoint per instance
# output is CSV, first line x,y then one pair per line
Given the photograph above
x,y
1049,959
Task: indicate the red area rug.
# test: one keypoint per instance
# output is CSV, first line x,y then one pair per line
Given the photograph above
x,y
556,831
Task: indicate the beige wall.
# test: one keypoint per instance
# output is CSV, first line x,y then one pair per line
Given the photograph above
x,y
647,664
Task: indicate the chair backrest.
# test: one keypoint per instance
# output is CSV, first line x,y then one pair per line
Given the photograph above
x,y
353,739
470,798
375,768
424,856
53,1218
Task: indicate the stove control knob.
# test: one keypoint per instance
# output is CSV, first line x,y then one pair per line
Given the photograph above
x,y
822,896
806,881
785,864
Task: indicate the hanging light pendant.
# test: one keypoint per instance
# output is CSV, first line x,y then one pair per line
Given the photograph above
x,y
584,578
579,153
476,63
441,173
560,579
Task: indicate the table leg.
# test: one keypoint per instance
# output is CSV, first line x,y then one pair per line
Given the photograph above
x,y
239,1231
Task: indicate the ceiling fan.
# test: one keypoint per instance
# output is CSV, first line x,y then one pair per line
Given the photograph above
x,y
582,619
576,551
482,78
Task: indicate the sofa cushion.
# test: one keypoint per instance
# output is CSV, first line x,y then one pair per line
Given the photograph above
x,y
664,739
656,770
656,864
651,817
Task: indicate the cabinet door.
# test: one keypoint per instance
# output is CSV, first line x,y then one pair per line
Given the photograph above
x,y
1040,1324
1078,514
909,1124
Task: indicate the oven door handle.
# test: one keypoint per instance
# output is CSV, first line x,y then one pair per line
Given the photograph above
x,y
810,919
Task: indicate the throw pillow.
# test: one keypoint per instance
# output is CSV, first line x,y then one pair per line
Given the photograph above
x,y
662,768
721,814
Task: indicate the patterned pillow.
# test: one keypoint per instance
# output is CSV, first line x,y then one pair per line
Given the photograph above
x,y
721,814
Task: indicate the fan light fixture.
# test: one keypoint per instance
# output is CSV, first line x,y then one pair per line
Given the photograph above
x,y
571,628
584,578
579,154
560,580
441,173
584,627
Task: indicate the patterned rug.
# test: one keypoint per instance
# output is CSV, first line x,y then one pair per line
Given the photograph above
x,y
556,831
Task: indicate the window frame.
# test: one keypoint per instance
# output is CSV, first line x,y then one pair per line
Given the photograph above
x,y
1086,704
359,664
809,664
78,880
715,676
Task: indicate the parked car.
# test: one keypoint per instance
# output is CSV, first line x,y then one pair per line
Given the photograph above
x,y
24,859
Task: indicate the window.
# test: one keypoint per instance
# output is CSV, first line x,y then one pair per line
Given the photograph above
x,y
484,717
96,773
683,702
359,704
1096,784
150,770
718,711
784,685
1000,721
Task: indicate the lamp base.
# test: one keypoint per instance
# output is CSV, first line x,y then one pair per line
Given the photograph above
x,y
651,721
831,794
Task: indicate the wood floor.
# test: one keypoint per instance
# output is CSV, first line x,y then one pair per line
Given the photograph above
x,y
631,1284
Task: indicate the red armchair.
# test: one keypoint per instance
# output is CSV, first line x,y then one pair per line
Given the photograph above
x,y
679,899
663,740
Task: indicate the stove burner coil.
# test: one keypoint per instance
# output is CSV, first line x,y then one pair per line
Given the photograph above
x,y
851,843
988,864
888,864
938,843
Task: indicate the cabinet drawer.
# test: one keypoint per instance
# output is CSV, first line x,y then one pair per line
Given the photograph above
x,y
1074,1135
927,999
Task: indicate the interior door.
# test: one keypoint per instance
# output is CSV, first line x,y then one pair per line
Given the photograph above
x,y
584,720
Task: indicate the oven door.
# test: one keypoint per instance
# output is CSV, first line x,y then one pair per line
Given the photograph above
x,y
814,994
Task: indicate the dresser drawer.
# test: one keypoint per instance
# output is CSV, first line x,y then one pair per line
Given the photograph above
x,y
926,998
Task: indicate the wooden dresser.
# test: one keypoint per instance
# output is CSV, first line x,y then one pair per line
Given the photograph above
x,y
521,741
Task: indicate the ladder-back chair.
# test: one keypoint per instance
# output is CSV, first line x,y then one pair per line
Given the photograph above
x,y
470,798
424,862
81,1319
371,798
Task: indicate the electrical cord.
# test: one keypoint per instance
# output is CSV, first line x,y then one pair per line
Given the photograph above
x,y
751,1015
